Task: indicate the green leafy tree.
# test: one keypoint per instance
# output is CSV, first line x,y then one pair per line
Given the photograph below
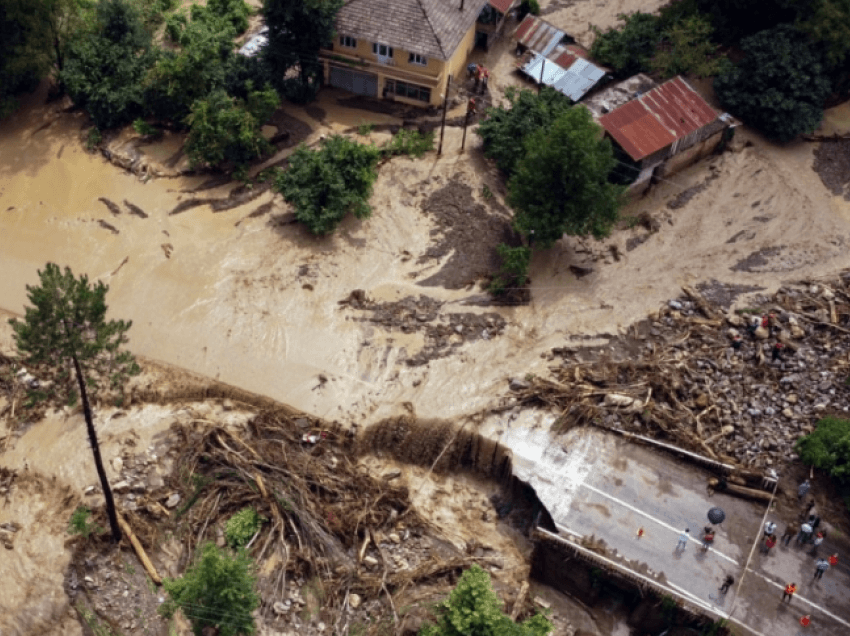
x,y
828,29
178,79
828,448
505,129
780,85
216,591
473,609
734,20
297,30
234,12
514,271
687,48
105,65
327,184
629,49
223,129
561,184
67,325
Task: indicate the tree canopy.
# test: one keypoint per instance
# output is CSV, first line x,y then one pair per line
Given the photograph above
x,y
828,448
215,591
629,49
106,65
473,609
325,185
561,185
297,30
506,128
780,85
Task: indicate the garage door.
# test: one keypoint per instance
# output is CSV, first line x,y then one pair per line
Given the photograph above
x,y
354,81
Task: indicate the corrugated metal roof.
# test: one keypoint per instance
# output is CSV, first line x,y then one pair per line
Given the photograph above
x,y
573,81
538,35
502,6
658,118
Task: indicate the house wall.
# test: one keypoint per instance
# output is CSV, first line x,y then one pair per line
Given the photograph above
x,y
690,156
456,66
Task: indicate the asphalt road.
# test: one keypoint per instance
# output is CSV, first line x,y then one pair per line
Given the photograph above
x,y
596,483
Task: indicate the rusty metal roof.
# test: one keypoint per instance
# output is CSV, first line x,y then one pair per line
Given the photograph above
x,y
502,6
657,118
538,35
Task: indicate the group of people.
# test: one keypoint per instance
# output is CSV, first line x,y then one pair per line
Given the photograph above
x,y
481,75
769,323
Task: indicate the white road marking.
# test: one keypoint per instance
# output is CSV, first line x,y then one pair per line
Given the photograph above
x,y
653,519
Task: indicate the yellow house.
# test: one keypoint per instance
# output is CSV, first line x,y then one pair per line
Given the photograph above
x,y
403,50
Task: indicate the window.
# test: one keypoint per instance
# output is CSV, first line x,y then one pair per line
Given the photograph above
x,y
347,41
382,50
415,58
411,91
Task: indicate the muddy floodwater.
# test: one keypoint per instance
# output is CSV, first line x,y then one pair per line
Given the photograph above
x,y
254,301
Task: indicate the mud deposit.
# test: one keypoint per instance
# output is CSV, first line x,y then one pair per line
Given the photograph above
x,y
469,232
832,163
444,332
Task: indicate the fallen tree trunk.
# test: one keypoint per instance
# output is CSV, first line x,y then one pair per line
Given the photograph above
x,y
741,491
140,551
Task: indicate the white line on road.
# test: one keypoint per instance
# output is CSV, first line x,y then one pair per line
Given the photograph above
x,y
651,518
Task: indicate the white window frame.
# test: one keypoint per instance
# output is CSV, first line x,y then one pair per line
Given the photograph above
x,y
376,49
348,42
419,60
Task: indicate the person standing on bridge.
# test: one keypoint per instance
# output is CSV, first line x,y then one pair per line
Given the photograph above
x,y
803,490
707,538
683,540
791,531
789,592
820,568
769,528
805,533
727,583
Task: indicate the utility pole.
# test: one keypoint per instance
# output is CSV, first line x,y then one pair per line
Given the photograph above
x,y
463,139
443,124
542,66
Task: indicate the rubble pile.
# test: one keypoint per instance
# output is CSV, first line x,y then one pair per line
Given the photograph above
x,y
679,376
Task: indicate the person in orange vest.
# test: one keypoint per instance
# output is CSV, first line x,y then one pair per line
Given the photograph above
x,y
833,559
789,592
470,107
485,77
805,620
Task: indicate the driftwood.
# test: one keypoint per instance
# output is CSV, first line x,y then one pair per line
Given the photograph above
x,y
140,551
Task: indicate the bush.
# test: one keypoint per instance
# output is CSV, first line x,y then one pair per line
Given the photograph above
x,y
780,85
528,6
409,142
514,270
629,49
144,128
828,448
216,591
242,527
505,129
687,49
473,609
235,12
79,523
327,184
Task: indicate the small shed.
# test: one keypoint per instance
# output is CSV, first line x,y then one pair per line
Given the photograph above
x,y
566,71
537,35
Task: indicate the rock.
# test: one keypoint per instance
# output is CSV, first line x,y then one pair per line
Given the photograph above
x,y
797,332
519,385
827,293
701,401
393,474
392,536
674,304
121,486
732,332
370,561
117,464
792,398
788,413
354,601
281,607
89,490
762,334
302,422
155,481
616,399
173,500
227,404
820,407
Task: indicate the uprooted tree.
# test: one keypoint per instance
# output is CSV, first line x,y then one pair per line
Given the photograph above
x,y
65,333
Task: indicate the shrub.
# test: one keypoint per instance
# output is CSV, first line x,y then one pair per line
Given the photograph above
x,y
409,142
828,448
687,48
514,270
629,49
144,128
473,609
529,6
79,523
327,184
241,527
216,591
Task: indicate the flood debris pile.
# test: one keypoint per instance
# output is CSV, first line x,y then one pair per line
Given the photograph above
x,y
335,545
443,332
679,377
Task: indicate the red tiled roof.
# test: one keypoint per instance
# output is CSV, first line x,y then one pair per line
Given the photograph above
x,y
656,119
502,6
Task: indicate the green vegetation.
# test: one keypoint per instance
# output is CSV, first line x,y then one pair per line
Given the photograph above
x,y
97,628
629,49
828,448
687,48
561,182
233,12
365,129
297,30
93,138
216,591
223,129
325,185
145,129
514,271
241,527
505,129
409,142
473,609
80,525
780,85
67,326
528,6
